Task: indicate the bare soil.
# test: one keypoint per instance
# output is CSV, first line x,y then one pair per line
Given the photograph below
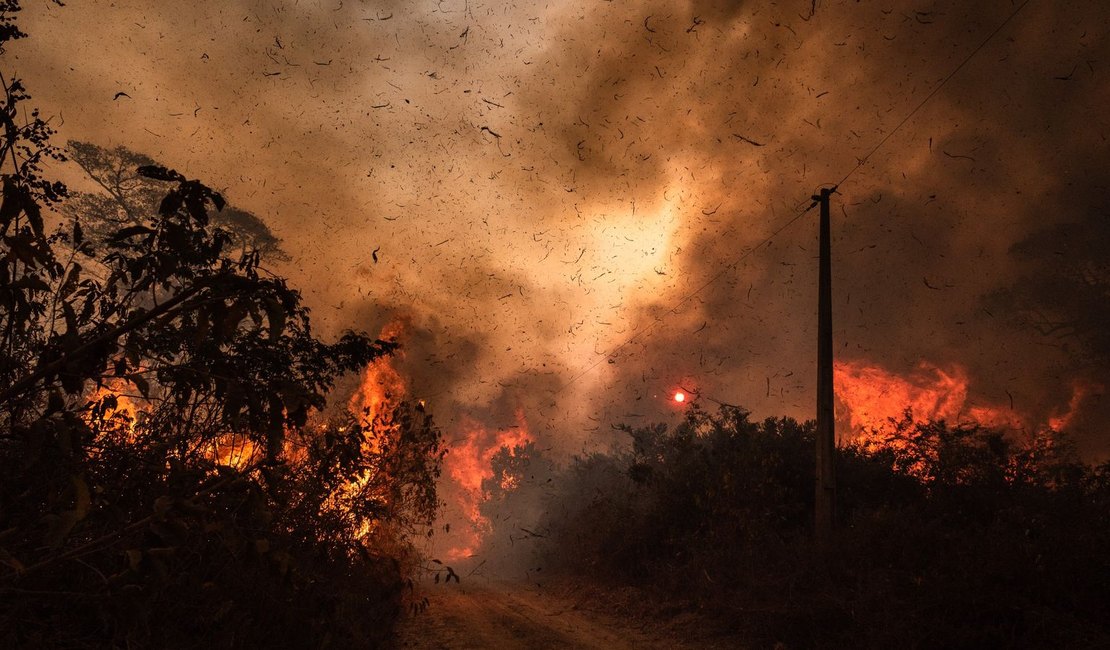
x,y
495,615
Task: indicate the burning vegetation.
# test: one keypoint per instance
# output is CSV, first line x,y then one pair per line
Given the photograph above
x,y
178,466
167,470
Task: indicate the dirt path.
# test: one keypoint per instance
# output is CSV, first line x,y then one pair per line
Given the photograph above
x,y
498,615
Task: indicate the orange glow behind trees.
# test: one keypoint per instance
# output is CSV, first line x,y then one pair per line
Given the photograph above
x,y
468,464
872,397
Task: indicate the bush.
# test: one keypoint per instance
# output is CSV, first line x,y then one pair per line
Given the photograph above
x,y
946,536
161,484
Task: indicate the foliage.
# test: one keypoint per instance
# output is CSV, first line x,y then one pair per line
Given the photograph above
x,y
947,536
161,483
513,498
1064,295
126,196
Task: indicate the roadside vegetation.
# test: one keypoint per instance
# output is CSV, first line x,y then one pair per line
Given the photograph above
x,y
167,476
947,536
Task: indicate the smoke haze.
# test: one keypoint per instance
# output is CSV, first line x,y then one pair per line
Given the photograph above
x,y
548,189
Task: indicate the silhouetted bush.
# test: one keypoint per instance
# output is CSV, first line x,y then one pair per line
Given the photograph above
x,y
946,536
161,484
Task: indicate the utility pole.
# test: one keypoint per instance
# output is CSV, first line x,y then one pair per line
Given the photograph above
x,y
826,440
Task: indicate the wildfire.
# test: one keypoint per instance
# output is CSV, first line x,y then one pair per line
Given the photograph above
x,y
1080,391
469,463
233,450
871,397
126,410
380,389
381,385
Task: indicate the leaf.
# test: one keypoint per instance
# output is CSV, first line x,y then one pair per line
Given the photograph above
x,y
58,526
231,319
142,384
130,231
172,531
27,251
31,282
71,318
71,282
13,202
162,505
31,209
55,402
159,173
134,558
275,314
197,208
171,204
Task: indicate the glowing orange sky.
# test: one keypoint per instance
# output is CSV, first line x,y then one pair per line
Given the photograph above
x,y
542,182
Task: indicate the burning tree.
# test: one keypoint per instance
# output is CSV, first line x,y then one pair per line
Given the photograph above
x,y
160,478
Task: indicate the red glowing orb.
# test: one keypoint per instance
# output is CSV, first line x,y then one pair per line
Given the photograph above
x,y
680,397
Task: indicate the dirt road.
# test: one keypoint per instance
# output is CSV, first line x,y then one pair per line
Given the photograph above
x,y
498,615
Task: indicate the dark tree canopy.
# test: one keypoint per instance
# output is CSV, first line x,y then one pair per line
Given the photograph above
x,y
1064,292
125,198
160,472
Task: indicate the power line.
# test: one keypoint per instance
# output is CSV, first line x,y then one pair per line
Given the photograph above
x,y
860,163
936,89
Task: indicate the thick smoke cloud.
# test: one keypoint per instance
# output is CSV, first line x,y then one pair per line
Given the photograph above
x,y
542,184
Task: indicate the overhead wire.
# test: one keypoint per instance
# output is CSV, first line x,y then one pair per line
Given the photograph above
x,y
936,89
646,329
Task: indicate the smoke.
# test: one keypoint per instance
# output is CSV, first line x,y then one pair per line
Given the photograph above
x,y
543,193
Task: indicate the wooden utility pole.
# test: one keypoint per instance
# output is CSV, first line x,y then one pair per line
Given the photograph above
x,y
826,440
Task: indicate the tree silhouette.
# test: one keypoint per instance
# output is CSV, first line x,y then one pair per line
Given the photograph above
x,y
127,198
1064,293
159,475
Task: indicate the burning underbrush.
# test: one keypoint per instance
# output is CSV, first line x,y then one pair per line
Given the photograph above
x,y
169,476
470,466
232,535
874,400
508,504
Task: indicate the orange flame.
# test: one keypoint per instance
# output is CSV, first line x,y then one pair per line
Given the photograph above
x,y
469,463
125,415
871,397
1080,391
379,391
233,450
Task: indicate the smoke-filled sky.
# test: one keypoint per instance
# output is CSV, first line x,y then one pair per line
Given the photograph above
x,y
541,182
